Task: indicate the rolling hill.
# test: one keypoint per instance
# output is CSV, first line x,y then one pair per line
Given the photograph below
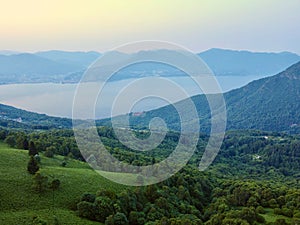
x,y
20,203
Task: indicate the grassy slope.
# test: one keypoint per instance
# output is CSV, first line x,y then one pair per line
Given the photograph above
x,y
19,203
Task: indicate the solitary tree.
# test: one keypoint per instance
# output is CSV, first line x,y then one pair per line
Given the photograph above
x,y
32,166
32,149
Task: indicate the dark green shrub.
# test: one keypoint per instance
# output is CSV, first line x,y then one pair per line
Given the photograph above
x,y
86,210
277,211
120,219
287,212
88,197
137,218
40,182
103,208
49,152
260,210
280,222
55,184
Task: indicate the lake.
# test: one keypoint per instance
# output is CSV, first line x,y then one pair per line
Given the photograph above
x,y
57,99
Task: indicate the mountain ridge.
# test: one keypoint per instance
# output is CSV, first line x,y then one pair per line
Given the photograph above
x,y
270,104
67,67
224,62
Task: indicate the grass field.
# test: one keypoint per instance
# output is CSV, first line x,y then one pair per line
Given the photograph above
x,y
19,203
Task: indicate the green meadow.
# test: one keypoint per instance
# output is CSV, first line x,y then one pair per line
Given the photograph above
x,y
20,204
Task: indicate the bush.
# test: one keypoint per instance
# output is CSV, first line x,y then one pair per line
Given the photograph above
x,y
109,220
280,222
40,182
260,210
49,152
287,212
277,211
55,184
260,219
3,134
137,218
104,208
120,219
273,204
86,210
87,197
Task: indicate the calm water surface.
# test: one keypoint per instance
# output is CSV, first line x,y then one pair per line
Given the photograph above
x,y
57,99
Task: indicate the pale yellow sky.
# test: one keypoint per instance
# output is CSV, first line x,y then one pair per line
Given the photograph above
x,y
260,25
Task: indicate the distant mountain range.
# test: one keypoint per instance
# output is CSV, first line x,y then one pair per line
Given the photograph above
x,y
8,52
40,67
79,60
68,67
270,104
242,63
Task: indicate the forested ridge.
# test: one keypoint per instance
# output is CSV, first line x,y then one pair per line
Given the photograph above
x,y
270,104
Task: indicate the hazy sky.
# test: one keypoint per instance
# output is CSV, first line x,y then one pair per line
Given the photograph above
x,y
257,25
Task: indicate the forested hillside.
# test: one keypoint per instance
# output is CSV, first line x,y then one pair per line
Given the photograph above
x,y
12,117
254,180
270,104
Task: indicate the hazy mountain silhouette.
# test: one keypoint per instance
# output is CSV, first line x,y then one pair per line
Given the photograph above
x,y
241,63
62,66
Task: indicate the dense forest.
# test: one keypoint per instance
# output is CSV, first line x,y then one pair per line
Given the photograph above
x,y
254,179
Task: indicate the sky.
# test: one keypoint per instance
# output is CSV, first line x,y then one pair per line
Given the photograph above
x,y
101,25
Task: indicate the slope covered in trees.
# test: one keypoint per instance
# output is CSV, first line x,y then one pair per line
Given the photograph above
x,y
270,104
12,117
254,179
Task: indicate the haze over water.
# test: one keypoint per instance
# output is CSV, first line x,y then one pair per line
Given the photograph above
x,y
57,99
